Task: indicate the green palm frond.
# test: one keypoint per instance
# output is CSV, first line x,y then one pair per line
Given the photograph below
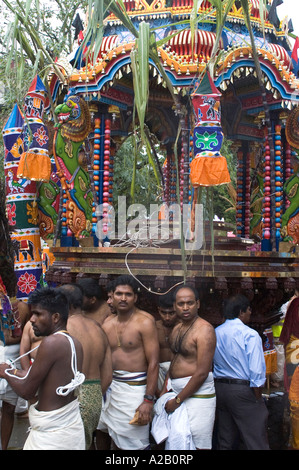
x,y
222,9
140,69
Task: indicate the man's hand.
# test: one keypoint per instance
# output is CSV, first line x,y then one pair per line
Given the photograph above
x,y
258,392
171,405
145,413
3,367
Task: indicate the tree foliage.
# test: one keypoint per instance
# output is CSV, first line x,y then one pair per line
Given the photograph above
x,y
146,189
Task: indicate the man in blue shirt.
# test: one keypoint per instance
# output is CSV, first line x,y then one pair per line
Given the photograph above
x,y
239,374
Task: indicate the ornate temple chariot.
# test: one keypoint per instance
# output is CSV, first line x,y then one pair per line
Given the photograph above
x,y
254,108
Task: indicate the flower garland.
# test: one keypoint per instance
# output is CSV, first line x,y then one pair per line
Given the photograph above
x,y
267,191
278,181
288,169
247,196
239,207
107,196
96,167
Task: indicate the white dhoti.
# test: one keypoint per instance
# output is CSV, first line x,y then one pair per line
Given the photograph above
x,y
163,369
200,409
60,429
121,401
9,354
173,428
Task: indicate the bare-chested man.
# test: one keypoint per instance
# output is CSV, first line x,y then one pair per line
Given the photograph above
x,y
94,303
55,419
193,343
29,342
134,344
97,364
168,319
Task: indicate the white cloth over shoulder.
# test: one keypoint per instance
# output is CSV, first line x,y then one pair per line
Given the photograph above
x,y
121,401
173,428
60,429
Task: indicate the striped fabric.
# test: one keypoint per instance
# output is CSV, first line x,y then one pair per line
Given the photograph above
x,y
203,42
281,54
109,43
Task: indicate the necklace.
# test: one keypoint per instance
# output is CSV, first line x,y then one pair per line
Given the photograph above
x,y
179,338
119,335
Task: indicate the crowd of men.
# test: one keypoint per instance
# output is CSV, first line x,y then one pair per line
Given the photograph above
x,y
103,374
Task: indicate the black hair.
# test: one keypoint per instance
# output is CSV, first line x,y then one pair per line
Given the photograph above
x,y
233,306
187,286
51,299
126,280
110,286
74,294
91,288
166,300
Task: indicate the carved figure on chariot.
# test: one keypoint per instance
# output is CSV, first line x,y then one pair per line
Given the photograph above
x,y
71,152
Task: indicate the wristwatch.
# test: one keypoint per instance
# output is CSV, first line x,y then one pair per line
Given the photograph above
x,y
178,400
149,397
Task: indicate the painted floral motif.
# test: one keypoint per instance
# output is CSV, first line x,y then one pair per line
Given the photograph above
x,y
11,213
27,283
206,141
41,136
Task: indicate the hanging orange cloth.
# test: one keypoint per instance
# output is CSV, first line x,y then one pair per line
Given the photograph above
x,y
35,166
209,171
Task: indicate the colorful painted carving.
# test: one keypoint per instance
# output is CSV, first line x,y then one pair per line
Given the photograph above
x,y
73,128
48,199
290,218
